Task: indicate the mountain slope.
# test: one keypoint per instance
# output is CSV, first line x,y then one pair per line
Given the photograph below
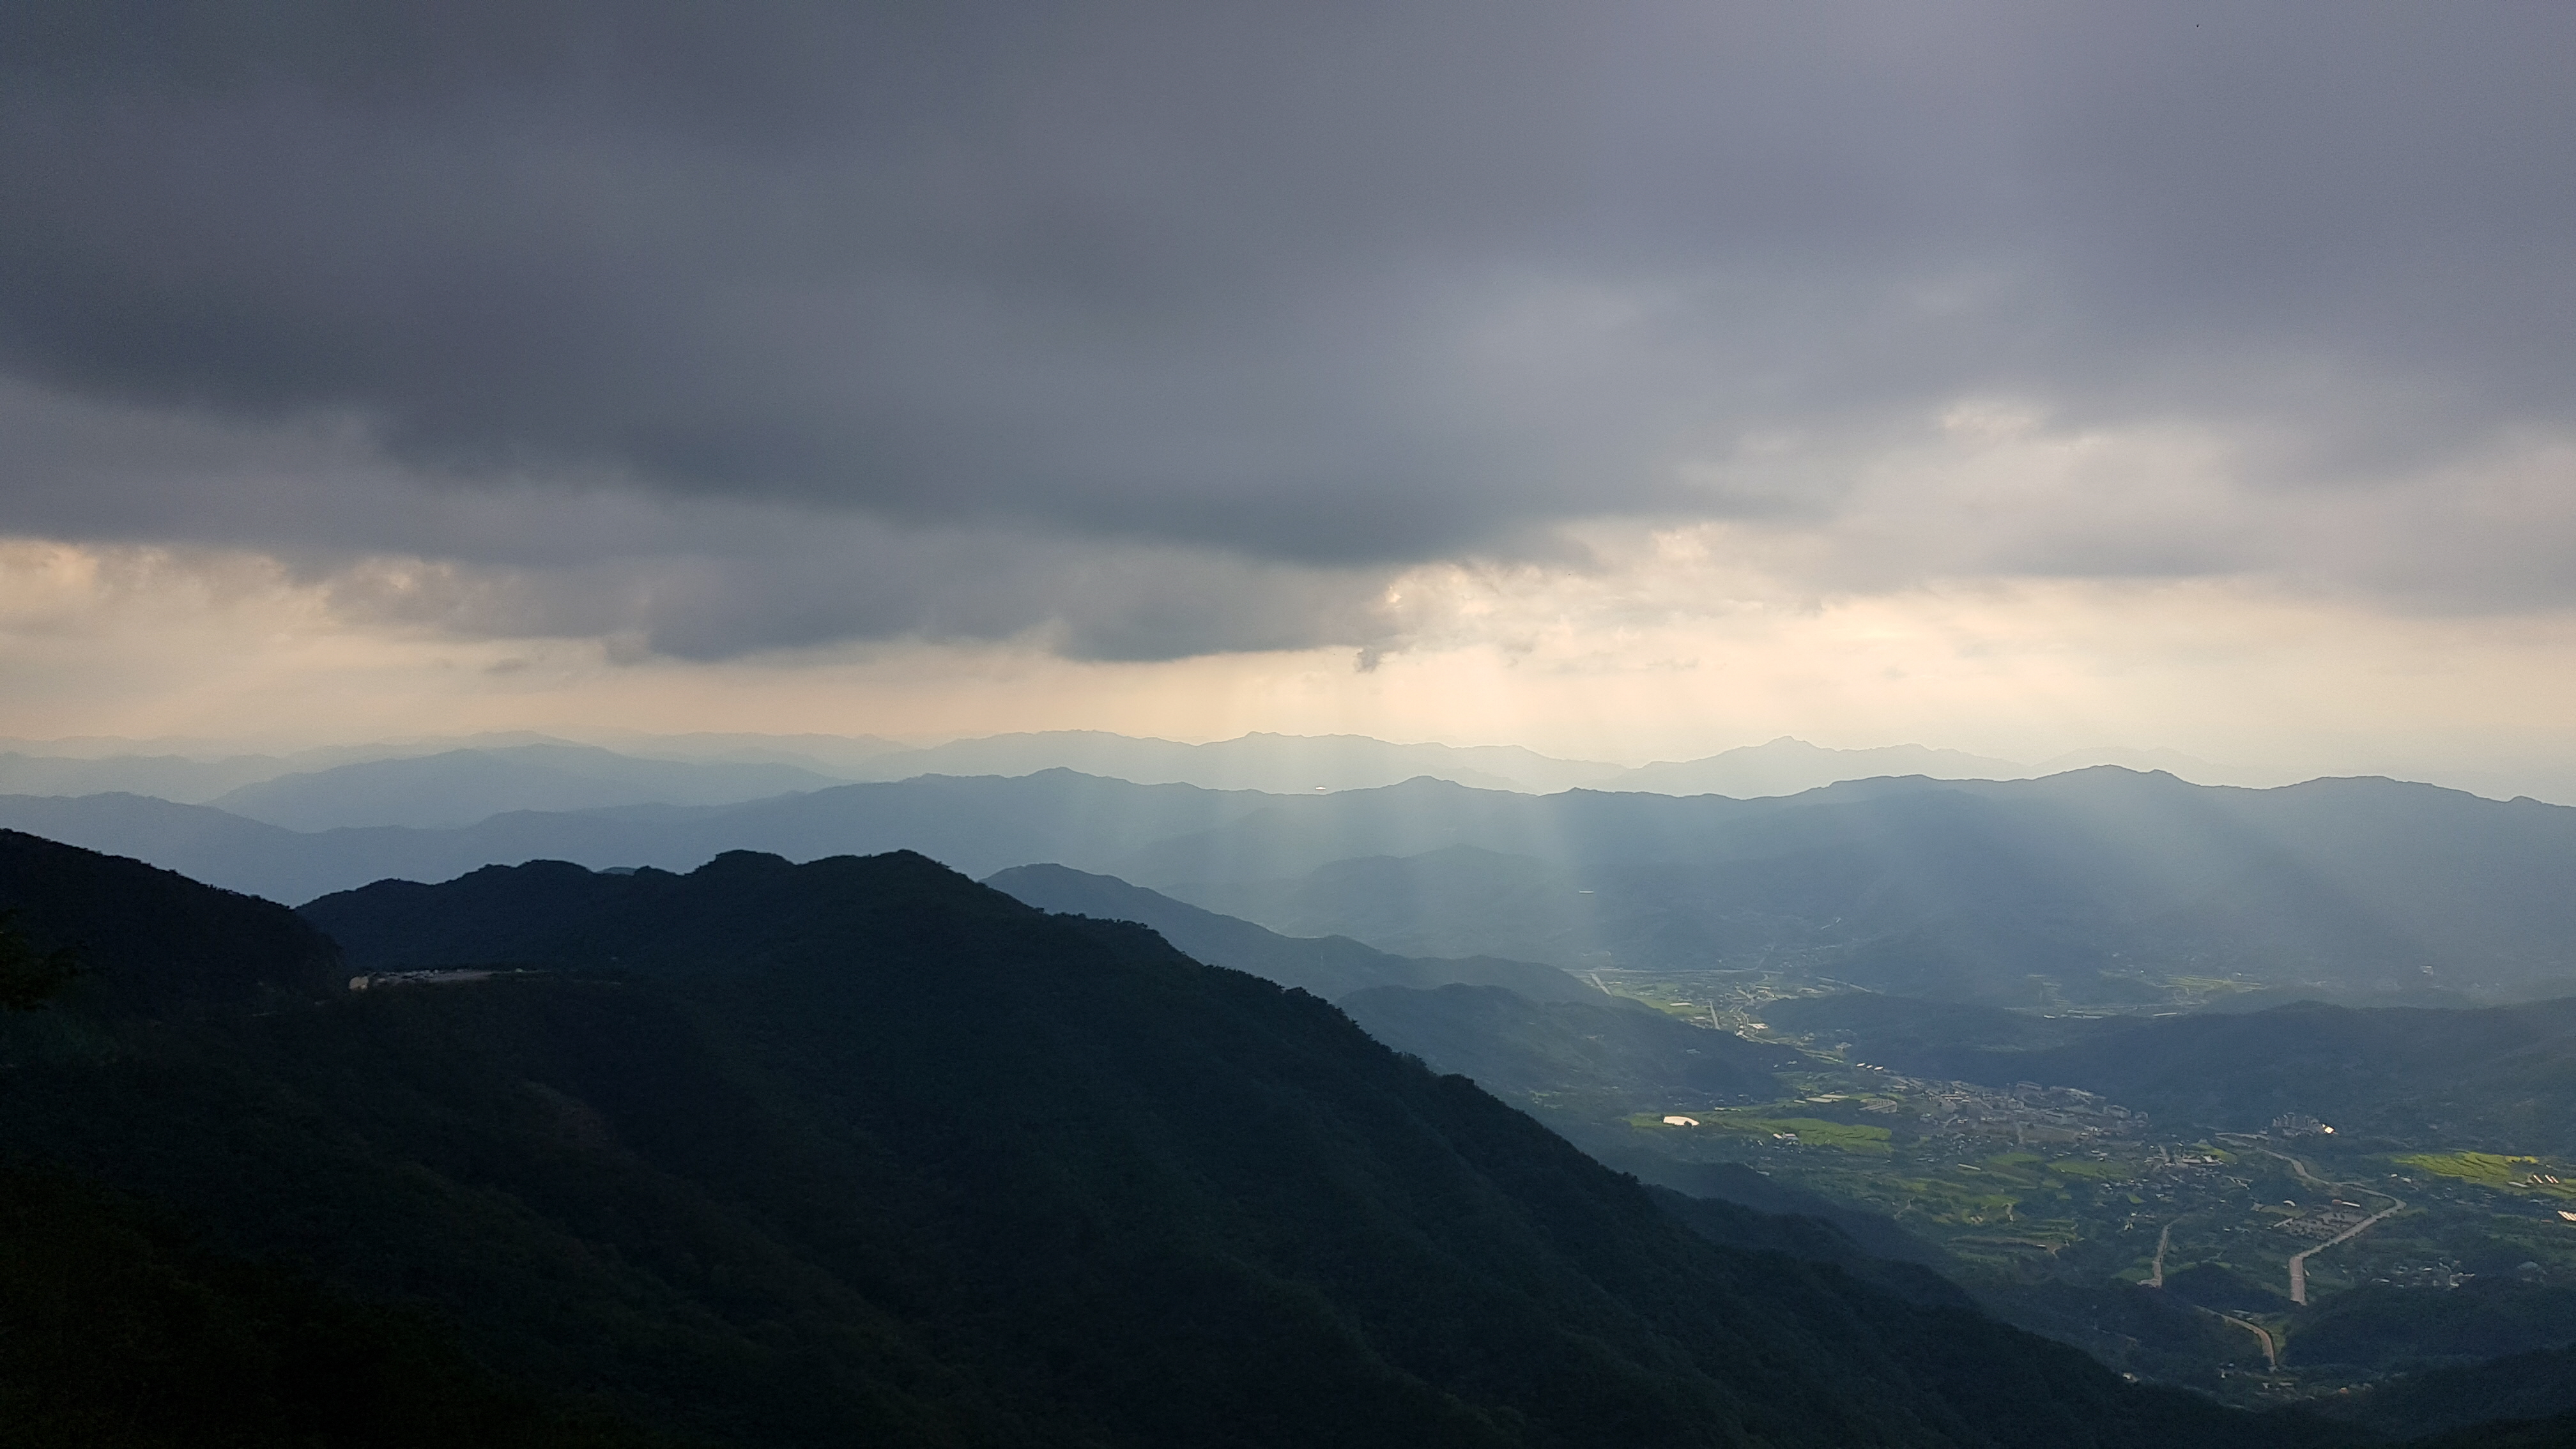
x,y
151,940
166,777
1786,766
1625,1055
460,787
1284,764
1329,966
2098,887
980,824
124,1333
2090,887
859,1151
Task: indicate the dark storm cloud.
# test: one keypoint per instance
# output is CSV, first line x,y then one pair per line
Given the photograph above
x,y
1333,286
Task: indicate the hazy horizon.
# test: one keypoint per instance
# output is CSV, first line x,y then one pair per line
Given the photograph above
x,y
840,755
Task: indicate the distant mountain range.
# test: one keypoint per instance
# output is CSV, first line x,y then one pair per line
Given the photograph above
x,y
1278,764
1332,967
447,782
460,787
2097,887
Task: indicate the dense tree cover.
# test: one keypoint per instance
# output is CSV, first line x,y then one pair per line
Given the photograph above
x,y
117,1330
2140,1330
2380,1328
2537,1389
1815,1239
2557,1432
153,940
1330,966
859,1151
1638,1155
30,978
2217,1286
1614,1054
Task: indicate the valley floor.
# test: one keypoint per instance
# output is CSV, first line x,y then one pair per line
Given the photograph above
x,y
2294,1265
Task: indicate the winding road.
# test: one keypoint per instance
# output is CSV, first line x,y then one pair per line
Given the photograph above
x,y
2299,1261
2271,1350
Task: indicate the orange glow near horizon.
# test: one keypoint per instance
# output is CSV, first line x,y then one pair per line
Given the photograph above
x,y
1612,666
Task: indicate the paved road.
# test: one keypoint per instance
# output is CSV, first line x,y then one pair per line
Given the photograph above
x,y
2271,1351
2164,1240
2299,1261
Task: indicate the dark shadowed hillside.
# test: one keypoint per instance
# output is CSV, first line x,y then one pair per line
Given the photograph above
x,y
123,1332
1609,1051
152,939
1329,966
861,1151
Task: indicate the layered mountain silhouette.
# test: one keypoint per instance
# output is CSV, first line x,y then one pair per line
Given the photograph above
x,y
460,787
1787,766
2083,888
1279,764
1329,966
861,1151
707,768
1610,1050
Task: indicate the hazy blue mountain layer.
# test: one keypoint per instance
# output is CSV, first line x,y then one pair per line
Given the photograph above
x,y
979,824
859,1151
1329,966
460,787
2084,887
1279,764
203,776
166,777
1787,766
2099,886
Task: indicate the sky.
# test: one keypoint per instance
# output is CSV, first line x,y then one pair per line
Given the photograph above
x,y
1629,381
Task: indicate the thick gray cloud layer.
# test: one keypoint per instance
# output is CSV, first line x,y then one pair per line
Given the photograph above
x,y
1327,288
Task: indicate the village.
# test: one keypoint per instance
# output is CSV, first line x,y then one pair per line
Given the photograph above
x,y
2027,1112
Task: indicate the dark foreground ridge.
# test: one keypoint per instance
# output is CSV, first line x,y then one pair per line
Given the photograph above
x,y
860,1151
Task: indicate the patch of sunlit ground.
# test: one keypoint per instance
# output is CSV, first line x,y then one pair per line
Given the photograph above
x,y
2531,1176
1761,1123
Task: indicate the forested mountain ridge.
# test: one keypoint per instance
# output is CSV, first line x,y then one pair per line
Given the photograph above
x,y
1608,1048
795,1154
460,787
1329,966
2100,887
152,940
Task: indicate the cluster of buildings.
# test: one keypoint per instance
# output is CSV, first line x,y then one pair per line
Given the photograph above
x,y
2028,1113
381,979
2332,1222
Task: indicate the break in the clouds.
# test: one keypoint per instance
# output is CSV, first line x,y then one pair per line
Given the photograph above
x,y
1152,330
